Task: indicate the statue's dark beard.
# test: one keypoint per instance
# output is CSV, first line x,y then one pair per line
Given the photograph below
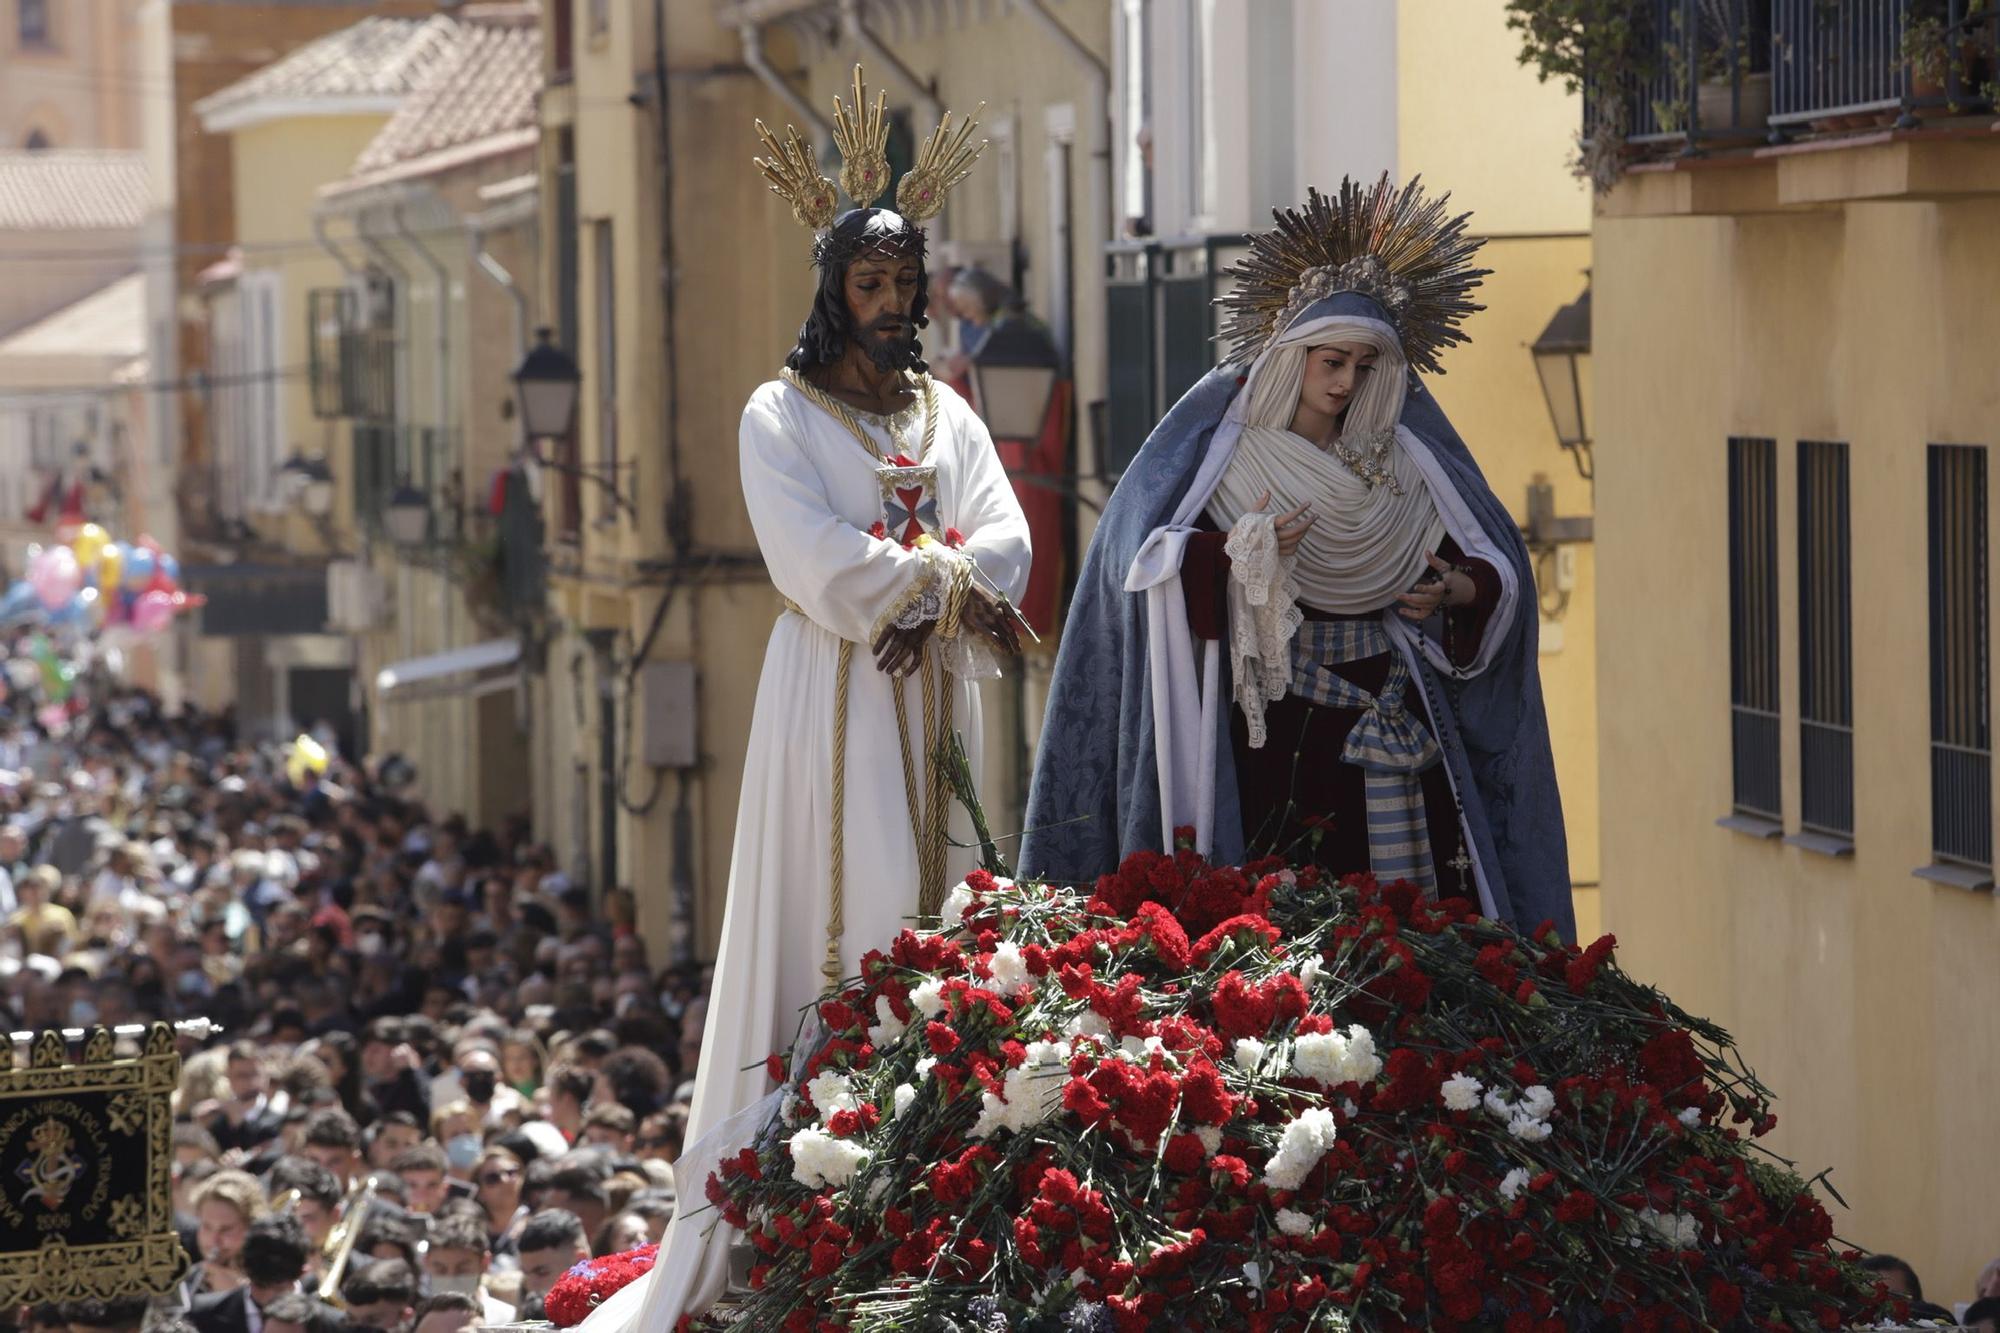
x,y
889,352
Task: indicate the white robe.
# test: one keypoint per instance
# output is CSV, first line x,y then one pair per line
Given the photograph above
x,y
812,494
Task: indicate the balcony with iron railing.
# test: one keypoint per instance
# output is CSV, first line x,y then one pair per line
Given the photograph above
x,y
393,461
1694,83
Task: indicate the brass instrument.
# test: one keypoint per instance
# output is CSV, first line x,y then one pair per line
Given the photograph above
x,y
342,1237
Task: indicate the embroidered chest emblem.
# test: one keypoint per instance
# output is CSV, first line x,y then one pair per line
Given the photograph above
x,y
909,502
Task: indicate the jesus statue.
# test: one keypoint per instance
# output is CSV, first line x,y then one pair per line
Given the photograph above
x,y
891,530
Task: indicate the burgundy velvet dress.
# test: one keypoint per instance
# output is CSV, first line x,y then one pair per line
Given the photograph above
x,y
1299,798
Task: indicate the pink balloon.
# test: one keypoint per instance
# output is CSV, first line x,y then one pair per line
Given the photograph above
x,y
154,611
53,717
55,576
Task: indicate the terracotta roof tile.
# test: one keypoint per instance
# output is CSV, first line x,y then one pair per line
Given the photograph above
x,y
72,190
375,58
486,87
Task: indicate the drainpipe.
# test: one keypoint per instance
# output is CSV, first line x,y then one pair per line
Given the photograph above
x,y
441,282
816,125
1097,81
883,58
495,270
347,266
401,276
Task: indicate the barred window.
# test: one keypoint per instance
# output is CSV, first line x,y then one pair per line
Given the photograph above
x,y
1753,626
1826,643
1961,704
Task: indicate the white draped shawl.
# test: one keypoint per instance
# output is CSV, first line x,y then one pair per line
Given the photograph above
x,y
1186,675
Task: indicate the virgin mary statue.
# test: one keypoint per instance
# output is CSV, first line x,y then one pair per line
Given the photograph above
x,y
1306,626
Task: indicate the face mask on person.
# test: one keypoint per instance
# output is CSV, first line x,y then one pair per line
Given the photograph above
x,y
479,1084
461,1284
462,1150
369,944
82,1013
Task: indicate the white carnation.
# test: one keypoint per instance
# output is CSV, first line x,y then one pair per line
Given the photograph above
x,y
1031,1093
1010,970
832,1091
1528,1129
821,1161
1303,1143
1089,1023
1294,1224
1514,1182
926,1065
1461,1092
1249,1054
952,914
890,1029
1538,1101
905,1094
1362,1063
1319,1056
1211,1139
1309,972
1334,1058
928,998
1691,1116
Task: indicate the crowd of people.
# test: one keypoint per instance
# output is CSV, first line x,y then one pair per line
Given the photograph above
x,y
445,1072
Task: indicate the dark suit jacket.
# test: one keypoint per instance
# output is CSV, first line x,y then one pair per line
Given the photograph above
x,y
229,1312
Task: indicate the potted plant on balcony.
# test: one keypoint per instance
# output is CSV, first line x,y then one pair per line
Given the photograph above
x,y
1932,50
1731,94
1600,48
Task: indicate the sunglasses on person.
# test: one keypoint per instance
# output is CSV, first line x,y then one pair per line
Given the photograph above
x,y
499,1177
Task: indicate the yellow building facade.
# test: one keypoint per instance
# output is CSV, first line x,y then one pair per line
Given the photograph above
x,y
668,275
1795,400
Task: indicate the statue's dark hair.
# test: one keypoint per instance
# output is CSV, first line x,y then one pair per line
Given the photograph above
x,y
861,231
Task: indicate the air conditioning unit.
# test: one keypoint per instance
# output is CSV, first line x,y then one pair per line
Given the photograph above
x,y
356,598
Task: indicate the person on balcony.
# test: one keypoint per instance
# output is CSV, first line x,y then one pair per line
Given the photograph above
x,y
1305,535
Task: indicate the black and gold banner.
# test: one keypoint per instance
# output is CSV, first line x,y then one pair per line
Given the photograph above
x,y
86,1162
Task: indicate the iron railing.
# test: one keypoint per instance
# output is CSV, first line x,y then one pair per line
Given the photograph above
x,y
1161,324
1961,694
1753,625
1826,778
1883,62
1826,641
1746,70
1704,71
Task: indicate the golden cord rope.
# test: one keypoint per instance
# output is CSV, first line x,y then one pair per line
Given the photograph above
x,y
836,925
928,821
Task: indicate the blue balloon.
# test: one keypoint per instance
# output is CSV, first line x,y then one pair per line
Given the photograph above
x,y
138,568
76,611
19,603
171,568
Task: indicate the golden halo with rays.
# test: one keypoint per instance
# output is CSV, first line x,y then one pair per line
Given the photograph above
x,y
1396,245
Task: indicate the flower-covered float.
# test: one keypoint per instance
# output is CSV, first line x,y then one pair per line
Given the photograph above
x,y
1203,1097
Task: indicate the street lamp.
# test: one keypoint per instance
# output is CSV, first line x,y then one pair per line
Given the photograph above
x,y
1562,360
307,483
407,517
547,383
1013,379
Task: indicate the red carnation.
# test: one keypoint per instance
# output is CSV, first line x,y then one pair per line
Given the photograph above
x,y
1583,969
592,1282
1577,1206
